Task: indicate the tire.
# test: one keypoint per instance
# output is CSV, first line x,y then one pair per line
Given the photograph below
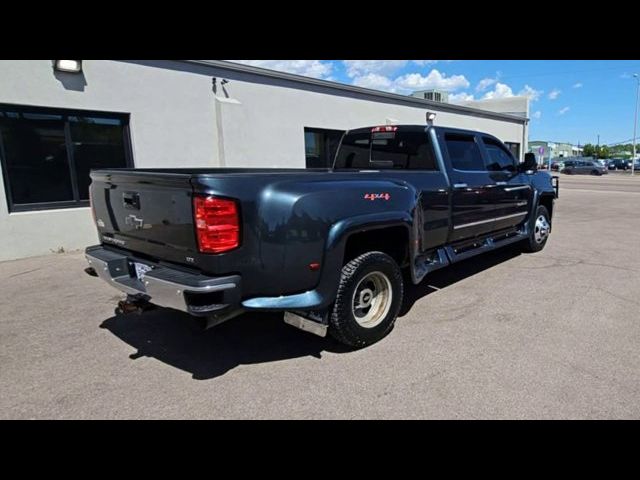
x,y
368,300
595,172
539,233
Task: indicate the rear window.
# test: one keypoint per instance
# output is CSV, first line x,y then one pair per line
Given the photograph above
x,y
354,151
386,150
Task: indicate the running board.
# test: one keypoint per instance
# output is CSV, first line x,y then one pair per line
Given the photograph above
x,y
444,256
486,245
428,263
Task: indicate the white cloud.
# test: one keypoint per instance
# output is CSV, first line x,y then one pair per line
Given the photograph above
x,y
564,110
308,68
360,68
537,114
435,79
460,97
530,92
422,63
553,94
485,83
375,81
501,90
410,82
577,85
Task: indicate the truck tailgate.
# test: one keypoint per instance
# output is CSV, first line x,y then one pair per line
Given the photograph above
x,y
148,213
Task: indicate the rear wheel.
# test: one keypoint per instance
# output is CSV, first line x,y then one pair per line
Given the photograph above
x,y
595,172
540,231
368,300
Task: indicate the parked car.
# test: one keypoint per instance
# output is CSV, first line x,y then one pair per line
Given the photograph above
x,y
583,167
557,166
325,246
618,164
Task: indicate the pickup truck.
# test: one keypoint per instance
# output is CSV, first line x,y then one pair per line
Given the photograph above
x,y
330,248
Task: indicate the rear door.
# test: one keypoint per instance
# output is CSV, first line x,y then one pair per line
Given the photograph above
x,y
512,189
473,198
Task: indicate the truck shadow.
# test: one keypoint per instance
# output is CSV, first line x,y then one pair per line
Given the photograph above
x,y
174,338
454,273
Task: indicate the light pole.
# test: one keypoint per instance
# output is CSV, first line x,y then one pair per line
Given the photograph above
x,y
635,124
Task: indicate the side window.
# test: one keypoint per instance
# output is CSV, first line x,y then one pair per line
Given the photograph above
x,y
402,150
464,152
499,157
354,151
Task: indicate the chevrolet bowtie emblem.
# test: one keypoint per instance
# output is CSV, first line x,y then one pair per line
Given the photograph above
x,y
134,221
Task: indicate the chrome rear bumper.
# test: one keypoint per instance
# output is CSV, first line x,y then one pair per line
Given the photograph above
x,y
168,287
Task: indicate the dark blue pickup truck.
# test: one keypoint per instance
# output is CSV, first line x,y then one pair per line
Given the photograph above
x,y
326,246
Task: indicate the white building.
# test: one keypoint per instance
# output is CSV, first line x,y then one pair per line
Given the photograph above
x,y
55,126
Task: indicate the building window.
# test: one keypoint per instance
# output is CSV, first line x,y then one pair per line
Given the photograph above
x,y
514,148
47,154
320,146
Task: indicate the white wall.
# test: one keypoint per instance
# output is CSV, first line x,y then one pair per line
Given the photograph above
x,y
277,116
172,124
176,120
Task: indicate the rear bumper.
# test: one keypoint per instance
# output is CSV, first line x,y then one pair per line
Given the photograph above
x,y
165,286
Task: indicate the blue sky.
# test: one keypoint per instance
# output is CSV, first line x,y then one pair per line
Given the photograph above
x,y
571,101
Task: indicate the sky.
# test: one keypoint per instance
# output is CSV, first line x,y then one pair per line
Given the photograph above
x,y
571,101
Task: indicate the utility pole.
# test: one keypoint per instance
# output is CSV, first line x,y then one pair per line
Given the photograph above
x,y
635,123
598,148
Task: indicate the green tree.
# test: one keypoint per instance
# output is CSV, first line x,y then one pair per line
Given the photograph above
x,y
588,150
603,152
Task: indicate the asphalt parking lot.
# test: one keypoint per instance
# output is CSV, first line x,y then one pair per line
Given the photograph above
x,y
506,335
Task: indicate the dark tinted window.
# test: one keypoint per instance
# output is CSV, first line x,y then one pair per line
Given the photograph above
x,y
35,157
47,156
499,157
514,148
97,143
464,152
354,151
320,146
386,150
410,150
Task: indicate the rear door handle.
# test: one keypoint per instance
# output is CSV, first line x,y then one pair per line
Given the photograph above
x,y
460,185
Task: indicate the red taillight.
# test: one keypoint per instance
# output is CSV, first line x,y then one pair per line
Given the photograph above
x,y
385,128
217,224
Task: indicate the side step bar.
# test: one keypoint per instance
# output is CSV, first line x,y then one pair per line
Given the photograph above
x,y
451,254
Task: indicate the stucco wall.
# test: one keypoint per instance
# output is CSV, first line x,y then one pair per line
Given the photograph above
x,y
178,118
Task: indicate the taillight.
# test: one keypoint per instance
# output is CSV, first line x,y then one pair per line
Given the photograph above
x,y
217,224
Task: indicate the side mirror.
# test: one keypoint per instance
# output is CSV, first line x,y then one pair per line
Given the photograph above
x,y
529,163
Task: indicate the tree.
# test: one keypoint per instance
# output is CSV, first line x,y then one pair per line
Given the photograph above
x,y
603,151
588,150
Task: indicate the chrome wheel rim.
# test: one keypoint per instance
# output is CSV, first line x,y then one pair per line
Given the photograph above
x,y
371,300
541,230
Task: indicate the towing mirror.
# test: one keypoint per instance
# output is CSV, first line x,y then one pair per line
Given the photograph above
x,y
529,162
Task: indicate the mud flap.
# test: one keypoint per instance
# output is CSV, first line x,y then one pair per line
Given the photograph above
x,y
312,322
